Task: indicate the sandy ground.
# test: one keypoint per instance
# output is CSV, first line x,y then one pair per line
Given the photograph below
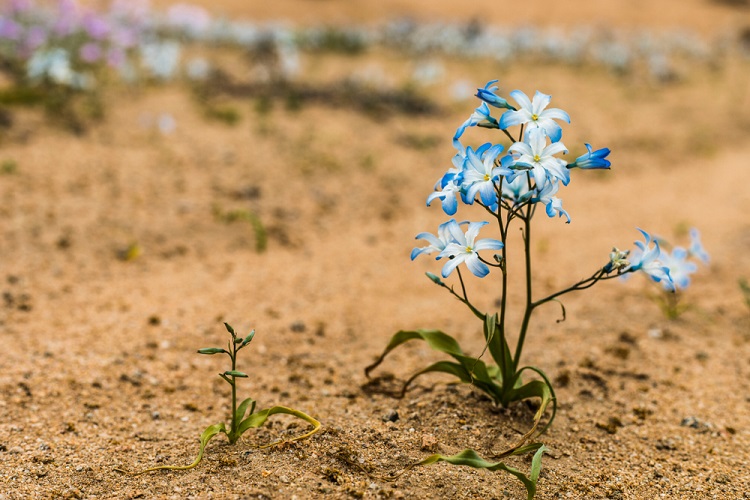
x,y
99,369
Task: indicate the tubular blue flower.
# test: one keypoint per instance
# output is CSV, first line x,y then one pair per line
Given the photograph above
x,y
481,174
487,94
439,242
537,156
464,248
553,203
696,247
647,259
592,159
481,117
534,113
679,267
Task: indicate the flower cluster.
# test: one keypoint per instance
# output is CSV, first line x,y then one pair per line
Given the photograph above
x,y
671,269
529,173
64,45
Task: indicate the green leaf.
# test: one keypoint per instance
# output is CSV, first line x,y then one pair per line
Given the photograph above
x,y
235,373
242,409
211,350
435,279
209,433
536,464
552,396
471,458
230,329
472,370
435,338
257,419
535,388
248,338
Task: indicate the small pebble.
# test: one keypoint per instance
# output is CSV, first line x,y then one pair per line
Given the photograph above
x,y
391,416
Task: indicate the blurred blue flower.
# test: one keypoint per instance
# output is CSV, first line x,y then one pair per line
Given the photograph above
x,y
696,247
647,259
679,267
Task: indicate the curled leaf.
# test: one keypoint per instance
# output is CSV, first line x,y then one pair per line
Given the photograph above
x,y
471,458
230,329
235,373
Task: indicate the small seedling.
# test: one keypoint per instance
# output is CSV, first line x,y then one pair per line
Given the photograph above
x,y
240,423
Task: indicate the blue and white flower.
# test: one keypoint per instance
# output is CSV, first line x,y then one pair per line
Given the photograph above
x,y
487,94
592,160
481,173
450,187
554,204
464,249
534,154
535,114
647,259
439,242
516,190
481,117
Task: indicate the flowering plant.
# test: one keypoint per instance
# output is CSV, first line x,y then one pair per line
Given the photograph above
x,y
511,185
240,423
678,264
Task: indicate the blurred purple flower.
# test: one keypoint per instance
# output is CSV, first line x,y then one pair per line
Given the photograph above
x,y
10,30
90,52
36,36
97,27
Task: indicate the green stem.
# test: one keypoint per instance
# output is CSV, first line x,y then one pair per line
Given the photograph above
x,y
529,303
235,424
598,276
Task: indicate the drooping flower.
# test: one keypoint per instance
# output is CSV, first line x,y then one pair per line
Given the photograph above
x,y
696,247
535,114
647,259
554,204
439,242
592,159
481,173
534,154
487,94
465,248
